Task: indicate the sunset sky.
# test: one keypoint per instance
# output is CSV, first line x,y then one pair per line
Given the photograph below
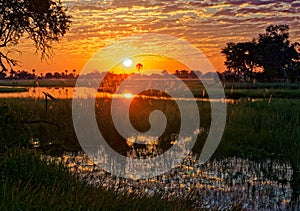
x,y
207,24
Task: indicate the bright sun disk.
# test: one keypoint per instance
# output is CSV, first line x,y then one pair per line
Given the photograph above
x,y
127,62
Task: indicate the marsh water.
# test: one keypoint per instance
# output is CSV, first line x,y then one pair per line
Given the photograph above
x,y
68,92
217,184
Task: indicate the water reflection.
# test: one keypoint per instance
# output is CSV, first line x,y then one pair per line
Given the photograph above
x,y
84,92
37,93
218,184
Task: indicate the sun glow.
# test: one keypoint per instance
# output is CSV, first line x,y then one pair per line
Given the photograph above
x,y
143,63
128,95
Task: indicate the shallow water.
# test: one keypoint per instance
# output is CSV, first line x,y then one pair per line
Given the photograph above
x,y
68,92
217,184
37,92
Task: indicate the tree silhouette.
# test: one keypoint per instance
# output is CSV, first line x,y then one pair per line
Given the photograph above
x,y
42,21
139,66
33,72
272,51
241,58
66,71
276,53
48,75
56,75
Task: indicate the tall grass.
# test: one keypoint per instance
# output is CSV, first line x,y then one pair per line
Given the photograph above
x,y
263,128
27,182
28,120
252,129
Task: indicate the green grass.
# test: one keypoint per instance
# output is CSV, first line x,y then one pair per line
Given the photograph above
x,y
263,129
251,126
27,182
262,93
249,90
26,119
260,85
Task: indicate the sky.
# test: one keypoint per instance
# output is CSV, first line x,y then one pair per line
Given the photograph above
x,y
206,24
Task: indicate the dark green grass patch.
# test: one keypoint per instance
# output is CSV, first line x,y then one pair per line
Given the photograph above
x,y
12,89
40,83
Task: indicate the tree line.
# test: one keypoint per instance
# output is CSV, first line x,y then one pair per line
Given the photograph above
x,y
270,57
25,75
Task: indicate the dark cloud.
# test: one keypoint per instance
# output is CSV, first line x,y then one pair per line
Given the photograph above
x,y
171,8
296,4
201,4
132,3
255,10
226,12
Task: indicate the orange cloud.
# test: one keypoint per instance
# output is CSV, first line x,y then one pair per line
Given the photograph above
x,y
206,24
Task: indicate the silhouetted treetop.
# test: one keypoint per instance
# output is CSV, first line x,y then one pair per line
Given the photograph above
x,y
42,21
272,51
277,55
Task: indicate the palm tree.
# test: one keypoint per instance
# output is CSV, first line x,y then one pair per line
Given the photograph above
x,y
66,71
139,66
33,73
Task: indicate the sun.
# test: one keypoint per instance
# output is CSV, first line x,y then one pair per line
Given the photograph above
x,y
128,95
127,62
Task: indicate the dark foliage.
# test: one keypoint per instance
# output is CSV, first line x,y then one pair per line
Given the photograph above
x,y
42,21
272,52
